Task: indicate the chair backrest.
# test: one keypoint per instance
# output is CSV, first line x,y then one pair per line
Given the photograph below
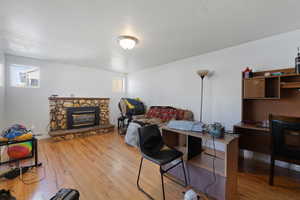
x,y
150,140
122,107
285,133
137,107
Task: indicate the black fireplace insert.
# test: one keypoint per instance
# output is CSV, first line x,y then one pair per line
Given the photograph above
x,y
80,117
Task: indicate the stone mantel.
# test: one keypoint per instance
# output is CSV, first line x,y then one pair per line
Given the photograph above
x,y
77,98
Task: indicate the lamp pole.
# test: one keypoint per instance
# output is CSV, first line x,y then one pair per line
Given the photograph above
x,y
202,74
201,106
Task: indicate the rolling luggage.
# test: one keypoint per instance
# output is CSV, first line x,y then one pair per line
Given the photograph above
x,y
66,194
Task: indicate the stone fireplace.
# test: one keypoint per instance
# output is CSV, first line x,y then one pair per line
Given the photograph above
x,y
78,112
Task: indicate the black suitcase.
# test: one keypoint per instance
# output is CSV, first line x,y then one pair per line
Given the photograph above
x,y
66,194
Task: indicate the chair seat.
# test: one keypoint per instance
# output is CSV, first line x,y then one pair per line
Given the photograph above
x,y
164,156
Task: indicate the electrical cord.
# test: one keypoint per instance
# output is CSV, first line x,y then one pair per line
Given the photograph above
x,y
214,169
34,179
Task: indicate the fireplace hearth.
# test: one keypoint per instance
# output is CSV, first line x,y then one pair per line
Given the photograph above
x,y
81,117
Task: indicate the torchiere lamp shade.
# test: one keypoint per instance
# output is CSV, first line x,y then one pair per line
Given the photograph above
x,y
202,73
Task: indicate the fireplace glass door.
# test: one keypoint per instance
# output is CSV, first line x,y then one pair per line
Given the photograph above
x,y
82,117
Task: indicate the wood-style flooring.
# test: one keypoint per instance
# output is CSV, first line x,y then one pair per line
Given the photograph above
x,y
104,167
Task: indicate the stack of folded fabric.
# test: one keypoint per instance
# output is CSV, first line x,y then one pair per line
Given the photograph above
x,y
183,125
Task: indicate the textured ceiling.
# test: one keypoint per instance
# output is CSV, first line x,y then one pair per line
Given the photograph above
x,y
84,32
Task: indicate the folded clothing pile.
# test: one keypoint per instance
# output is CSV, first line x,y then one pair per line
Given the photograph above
x,y
184,125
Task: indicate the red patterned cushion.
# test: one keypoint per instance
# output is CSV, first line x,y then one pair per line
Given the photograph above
x,y
149,113
153,113
163,113
167,114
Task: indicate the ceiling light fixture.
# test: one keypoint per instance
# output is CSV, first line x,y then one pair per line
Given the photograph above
x,y
127,42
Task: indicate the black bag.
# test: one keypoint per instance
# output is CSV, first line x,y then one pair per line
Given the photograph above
x,y
66,194
5,195
139,107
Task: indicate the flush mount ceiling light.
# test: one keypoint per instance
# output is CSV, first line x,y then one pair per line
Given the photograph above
x,y
127,42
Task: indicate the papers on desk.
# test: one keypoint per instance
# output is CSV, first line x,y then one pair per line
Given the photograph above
x,y
183,125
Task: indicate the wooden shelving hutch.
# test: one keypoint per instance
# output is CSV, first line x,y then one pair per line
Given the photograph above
x,y
263,95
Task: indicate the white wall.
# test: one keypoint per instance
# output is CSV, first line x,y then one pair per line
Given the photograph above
x,y
178,85
30,106
2,90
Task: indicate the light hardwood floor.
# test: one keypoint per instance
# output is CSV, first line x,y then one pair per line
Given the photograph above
x,y
104,167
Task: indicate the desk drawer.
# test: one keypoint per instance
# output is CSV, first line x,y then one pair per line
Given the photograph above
x,y
254,140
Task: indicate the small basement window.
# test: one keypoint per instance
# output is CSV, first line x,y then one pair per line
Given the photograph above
x,y
24,76
118,85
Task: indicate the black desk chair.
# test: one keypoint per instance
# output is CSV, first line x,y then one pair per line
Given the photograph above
x,y
285,133
154,149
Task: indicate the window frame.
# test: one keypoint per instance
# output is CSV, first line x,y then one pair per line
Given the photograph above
x,y
27,85
123,84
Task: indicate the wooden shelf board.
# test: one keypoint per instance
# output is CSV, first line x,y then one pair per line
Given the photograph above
x,y
255,77
263,98
290,75
290,85
251,126
206,162
219,154
281,76
182,149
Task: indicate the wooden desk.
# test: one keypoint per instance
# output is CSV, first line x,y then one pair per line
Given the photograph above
x,y
199,162
253,138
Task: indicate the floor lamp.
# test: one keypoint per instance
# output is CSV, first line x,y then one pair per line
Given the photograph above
x,y
202,74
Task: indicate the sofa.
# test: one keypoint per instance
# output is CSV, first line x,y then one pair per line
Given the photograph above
x,y
159,115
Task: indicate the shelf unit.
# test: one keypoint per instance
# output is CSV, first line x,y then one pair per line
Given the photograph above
x,y
272,94
270,87
261,88
261,96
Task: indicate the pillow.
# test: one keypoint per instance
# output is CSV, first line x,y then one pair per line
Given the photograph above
x,y
152,113
167,114
180,114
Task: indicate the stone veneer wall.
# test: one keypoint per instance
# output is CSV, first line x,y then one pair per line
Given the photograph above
x,y
59,105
